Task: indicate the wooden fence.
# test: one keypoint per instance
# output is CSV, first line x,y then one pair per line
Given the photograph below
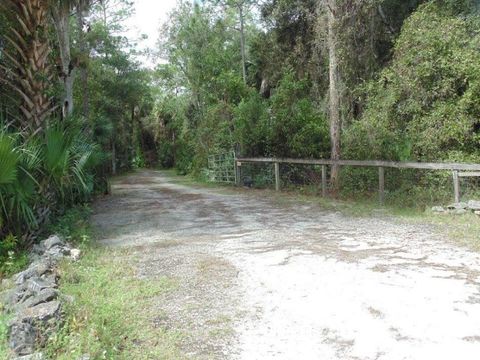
x,y
458,170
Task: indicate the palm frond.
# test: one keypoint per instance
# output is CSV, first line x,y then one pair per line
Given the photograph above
x,y
56,153
9,158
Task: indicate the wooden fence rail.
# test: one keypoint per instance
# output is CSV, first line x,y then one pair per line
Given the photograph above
x,y
458,170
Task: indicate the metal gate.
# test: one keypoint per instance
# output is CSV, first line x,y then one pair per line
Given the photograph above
x,y
221,167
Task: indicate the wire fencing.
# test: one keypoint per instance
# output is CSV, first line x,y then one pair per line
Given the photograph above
x,y
409,183
221,168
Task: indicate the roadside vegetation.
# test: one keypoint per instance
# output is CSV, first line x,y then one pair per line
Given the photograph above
x,y
71,98
111,307
4,350
106,305
73,226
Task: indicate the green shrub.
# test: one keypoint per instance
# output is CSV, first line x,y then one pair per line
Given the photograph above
x,y
297,128
184,155
166,155
425,104
73,225
51,172
422,107
19,166
12,260
252,125
138,161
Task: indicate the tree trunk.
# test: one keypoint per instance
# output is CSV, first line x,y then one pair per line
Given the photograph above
x,y
32,78
104,12
334,94
83,68
242,42
61,15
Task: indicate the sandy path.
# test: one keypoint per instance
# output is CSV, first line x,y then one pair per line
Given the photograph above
x,y
293,281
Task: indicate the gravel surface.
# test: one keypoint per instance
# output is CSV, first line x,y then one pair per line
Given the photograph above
x,y
266,279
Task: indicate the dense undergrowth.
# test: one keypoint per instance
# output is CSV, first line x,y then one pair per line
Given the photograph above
x,y
42,177
73,226
410,96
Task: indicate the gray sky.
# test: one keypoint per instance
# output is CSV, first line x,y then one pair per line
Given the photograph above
x,y
149,16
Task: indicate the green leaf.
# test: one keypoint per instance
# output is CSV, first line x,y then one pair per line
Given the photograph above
x,y
9,158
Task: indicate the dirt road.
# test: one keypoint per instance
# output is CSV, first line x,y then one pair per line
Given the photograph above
x,y
263,278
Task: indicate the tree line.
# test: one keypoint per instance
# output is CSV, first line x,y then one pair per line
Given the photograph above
x,y
356,79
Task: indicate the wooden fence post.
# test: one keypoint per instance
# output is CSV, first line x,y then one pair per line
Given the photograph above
x,y
238,173
381,185
277,176
324,180
456,186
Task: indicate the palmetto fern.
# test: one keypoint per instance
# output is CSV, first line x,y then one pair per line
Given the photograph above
x,y
8,171
17,187
57,154
43,173
8,160
69,157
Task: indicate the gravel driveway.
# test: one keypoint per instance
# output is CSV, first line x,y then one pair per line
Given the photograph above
x,y
266,277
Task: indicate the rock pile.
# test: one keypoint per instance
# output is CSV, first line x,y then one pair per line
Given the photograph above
x,y
34,301
459,208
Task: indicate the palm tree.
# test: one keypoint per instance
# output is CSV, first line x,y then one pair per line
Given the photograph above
x,y
27,69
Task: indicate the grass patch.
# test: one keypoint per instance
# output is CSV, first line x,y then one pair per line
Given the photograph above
x,y
111,317
463,230
14,261
4,350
